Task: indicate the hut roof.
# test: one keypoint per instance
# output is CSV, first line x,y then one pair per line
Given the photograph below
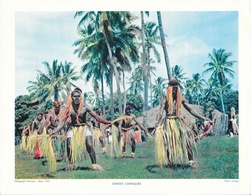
x,y
152,113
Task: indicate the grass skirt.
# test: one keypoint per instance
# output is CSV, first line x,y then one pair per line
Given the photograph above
x,y
173,141
78,144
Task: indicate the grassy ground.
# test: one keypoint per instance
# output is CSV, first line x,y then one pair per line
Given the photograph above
x,y
217,158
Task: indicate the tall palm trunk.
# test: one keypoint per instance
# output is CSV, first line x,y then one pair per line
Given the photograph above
x,y
222,103
111,95
163,42
111,61
149,76
144,66
56,93
124,91
102,88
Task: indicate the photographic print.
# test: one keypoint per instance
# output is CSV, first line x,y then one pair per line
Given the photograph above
x,y
127,99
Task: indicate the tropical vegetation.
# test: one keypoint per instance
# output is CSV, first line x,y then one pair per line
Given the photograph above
x,y
116,52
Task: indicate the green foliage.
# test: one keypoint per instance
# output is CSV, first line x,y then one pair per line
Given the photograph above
x,y
135,101
50,84
24,112
217,158
231,99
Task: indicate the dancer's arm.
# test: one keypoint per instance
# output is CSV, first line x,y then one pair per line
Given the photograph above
x,y
59,127
98,118
193,112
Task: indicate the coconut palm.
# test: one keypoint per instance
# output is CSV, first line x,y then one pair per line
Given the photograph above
x,y
196,86
152,39
116,37
219,66
159,90
177,73
135,82
68,76
144,69
211,91
119,37
56,79
91,48
163,42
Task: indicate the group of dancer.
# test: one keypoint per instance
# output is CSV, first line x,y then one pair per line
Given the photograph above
x,y
174,139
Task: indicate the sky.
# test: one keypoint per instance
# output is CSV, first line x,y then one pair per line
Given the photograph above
x,y
191,36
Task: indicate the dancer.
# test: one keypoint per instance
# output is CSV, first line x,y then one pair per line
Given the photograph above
x,y
79,135
52,120
37,123
37,129
127,131
174,139
98,131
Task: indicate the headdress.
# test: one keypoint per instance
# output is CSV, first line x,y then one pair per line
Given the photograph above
x,y
173,82
169,96
69,104
56,103
40,113
128,107
77,89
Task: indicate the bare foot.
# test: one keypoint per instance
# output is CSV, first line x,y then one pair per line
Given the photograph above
x,y
97,167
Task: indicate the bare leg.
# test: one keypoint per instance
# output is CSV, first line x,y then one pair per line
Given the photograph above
x,y
69,155
90,149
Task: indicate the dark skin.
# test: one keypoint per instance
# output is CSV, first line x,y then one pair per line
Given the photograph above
x,y
52,119
82,120
164,106
82,116
37,124
128,123
96,124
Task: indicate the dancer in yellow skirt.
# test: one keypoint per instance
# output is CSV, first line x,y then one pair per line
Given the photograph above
x,y
98,133
79,134
127,127
37,128
53,118
174,140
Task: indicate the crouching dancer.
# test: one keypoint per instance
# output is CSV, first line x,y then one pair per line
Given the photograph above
x,y
79,134
174,140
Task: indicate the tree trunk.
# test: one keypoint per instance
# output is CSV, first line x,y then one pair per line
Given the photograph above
x,y
149,76
111,94
112,62
144,66
124,91
163,42
102,88
222,103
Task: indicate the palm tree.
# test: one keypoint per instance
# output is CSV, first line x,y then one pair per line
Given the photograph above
x,y
151,40
211,91
135,81
163,42
159,90
222,89
177,73
187,91
58,77
220,66
94,98
116,37
69,75
144,68
196,86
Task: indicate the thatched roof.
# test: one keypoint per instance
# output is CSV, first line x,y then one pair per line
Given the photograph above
x,y
152,113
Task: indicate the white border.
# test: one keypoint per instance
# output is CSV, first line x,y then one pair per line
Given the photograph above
x,y
8,184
